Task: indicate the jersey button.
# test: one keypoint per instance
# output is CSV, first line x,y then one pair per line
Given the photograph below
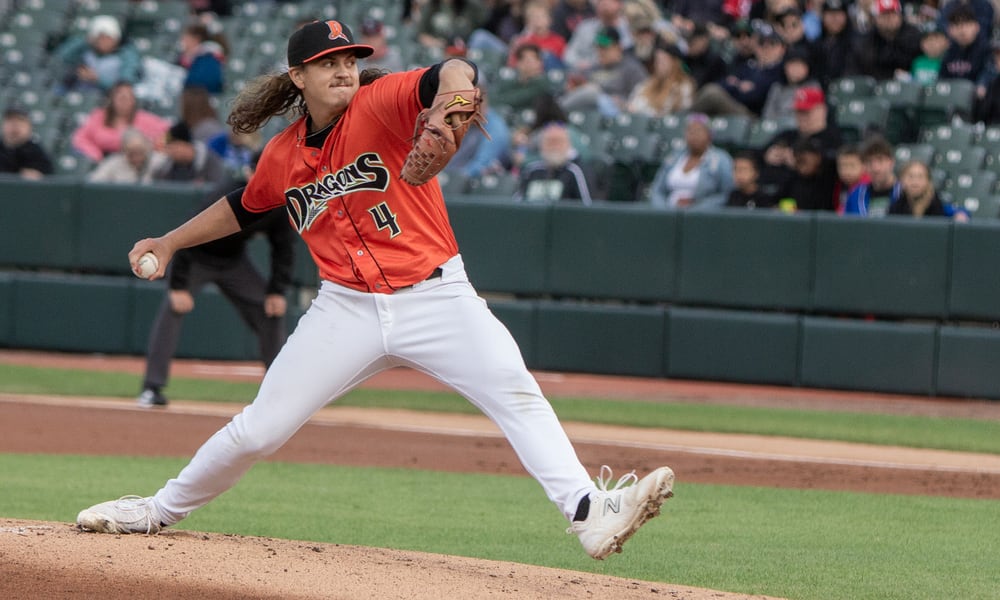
x,y
378,286
324,168
361,252
340,213
315,154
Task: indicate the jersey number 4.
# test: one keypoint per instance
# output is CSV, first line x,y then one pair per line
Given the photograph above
x,y
384,219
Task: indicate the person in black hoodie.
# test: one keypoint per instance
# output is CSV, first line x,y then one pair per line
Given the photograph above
x,y
890,47
835,42
226,263
968,53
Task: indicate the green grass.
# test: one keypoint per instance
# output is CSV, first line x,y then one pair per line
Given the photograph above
x,y
788,543
967,435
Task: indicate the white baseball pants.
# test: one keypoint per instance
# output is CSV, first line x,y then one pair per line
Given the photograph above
x,y
440,327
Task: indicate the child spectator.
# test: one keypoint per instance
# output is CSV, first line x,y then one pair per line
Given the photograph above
x,y
815,178
20,154
746,187
850,173
933,46
918,198
101,133
968,53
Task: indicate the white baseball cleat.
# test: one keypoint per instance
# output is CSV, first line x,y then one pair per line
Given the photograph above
x,y
128,514
618,513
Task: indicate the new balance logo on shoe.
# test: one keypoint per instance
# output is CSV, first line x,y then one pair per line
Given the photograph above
x,y
618,513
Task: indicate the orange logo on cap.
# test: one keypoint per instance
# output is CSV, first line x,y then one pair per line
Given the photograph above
x,y
337,31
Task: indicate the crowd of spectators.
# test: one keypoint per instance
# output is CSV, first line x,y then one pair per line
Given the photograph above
x,y
560,76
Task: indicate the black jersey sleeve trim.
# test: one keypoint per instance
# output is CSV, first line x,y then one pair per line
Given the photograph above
x,y
430,79
244,217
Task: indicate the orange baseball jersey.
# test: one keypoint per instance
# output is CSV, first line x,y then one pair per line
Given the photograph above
x,y
365,227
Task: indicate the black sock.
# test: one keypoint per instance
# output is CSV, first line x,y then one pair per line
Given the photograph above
x,y
582,509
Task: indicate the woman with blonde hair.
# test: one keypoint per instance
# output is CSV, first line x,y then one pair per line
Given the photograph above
x,y
918,197
668,89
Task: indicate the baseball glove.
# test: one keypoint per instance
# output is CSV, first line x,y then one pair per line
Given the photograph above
x,y
439,131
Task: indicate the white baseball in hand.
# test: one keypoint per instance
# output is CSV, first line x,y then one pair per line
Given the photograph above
x,y
148,264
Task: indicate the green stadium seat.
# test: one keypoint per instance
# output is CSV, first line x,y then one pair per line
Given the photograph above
x,y
959,161
949,135
944,100
730,132
853,87
763,131
904,153
857,117
904,99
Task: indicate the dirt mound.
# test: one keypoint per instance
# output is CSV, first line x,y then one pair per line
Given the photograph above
x,y
55,560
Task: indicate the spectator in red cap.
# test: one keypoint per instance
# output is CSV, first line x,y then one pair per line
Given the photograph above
x,y
811,123
889,48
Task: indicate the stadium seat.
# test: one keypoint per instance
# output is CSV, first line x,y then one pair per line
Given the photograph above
x,y
944,100
626,123
958,161
588,121
858,117
730,132
971,191
853,87
763,130
979,207
948,135
500,186
644,147
904,100
907,152
452,183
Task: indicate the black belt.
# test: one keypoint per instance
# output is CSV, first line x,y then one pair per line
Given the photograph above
x,y
435,274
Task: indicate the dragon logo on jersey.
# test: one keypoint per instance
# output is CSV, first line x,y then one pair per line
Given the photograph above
x,y
306,203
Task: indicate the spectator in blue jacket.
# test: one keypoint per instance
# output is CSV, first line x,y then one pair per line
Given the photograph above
x,y
202,57
478,154
700,175
97,60
873,199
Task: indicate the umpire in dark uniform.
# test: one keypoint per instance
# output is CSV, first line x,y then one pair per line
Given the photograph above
x,y
226,263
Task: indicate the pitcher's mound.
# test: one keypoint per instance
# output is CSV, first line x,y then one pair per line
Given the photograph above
x,y
55,560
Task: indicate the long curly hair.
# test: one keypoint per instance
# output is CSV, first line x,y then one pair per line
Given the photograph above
x,y
275,94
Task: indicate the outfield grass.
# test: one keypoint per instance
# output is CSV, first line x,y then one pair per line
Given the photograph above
x,y
800,544
967,435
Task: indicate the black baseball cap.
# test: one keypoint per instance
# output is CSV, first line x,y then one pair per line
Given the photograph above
x,y
320,38
16,110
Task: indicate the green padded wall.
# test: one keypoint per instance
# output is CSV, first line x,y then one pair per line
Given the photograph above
x,y
967,362
617,340
747,259
503,245
616,251
214,330
868,355
891,267
519,317
113,217
732,346
71,313
6,309
146,299
39,223
975,272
